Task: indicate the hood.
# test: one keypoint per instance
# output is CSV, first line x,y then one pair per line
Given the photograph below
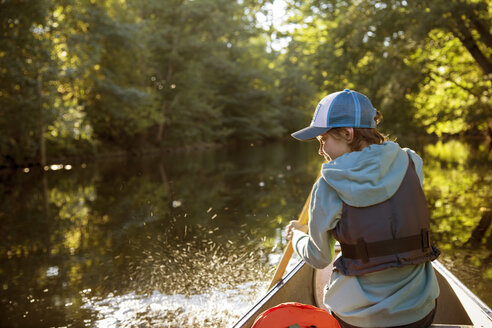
x,y
370,176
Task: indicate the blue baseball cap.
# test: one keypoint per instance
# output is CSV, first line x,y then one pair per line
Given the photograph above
x,y
345,108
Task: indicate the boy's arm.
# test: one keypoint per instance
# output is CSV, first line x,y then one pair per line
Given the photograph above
x,y
307,250
317,248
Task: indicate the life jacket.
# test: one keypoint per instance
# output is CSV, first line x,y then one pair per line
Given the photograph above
x,y
389,234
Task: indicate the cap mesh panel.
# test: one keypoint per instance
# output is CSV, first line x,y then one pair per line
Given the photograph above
x,y
367,112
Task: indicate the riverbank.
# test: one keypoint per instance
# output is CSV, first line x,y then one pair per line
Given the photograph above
x,y
112,153
108,154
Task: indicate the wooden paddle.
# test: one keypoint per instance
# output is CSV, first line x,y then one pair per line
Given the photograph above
x,y
303,219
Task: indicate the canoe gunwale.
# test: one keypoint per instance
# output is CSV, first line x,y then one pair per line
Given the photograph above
x,y
477,310
255,310
474,311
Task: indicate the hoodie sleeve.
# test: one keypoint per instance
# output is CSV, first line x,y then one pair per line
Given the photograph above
x,y
325,210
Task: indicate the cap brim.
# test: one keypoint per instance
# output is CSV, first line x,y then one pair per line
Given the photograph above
x,y
309,133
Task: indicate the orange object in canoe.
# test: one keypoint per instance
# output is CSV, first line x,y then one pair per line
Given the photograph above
x,y
295,315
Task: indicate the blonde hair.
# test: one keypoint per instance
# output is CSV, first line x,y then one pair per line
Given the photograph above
x,y
362,136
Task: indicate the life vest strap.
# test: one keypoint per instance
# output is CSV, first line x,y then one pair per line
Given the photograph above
x,y
363,250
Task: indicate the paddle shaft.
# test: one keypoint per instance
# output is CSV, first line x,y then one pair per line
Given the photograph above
x,y
303,219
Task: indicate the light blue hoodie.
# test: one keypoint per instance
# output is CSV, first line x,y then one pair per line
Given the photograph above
x,y
391,297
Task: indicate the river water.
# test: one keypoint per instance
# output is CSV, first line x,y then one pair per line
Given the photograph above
x,y
192,239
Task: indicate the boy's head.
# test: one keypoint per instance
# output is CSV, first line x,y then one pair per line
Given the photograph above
x,y
345,109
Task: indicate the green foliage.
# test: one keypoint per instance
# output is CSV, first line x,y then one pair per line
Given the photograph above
x,y
456,185
426,65
297,95
454,95
132,74
105,53
85,77
27,73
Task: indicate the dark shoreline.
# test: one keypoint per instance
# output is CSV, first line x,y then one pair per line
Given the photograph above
x,y
106,155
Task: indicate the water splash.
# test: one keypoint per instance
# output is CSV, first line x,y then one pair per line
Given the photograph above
x,y
188,276
192,265
217,307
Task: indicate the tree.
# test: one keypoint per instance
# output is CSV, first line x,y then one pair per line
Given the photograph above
x,y
26,81
385,49
182,36
210,70
109,73
296,93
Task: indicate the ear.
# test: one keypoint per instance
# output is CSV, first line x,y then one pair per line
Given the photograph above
x,y
348,133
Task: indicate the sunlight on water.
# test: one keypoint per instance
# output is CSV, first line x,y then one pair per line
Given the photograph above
x,y
186,276
216,308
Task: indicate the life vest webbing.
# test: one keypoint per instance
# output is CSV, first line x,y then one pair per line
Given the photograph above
x,y
364,251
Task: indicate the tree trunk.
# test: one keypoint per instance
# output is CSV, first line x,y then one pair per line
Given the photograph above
x,y
466,38
160,131
42,140
480,230
169,75
164,106
482,29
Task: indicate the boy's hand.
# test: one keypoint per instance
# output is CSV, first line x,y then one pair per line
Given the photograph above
x,y
295,225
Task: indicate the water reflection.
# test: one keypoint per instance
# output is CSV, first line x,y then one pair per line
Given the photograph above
x,y
156,240
457,186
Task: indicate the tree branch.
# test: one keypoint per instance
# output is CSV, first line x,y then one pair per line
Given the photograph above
x,y
482,28
466,38
470,91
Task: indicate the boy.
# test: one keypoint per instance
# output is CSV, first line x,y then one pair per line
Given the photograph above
x,y
369,199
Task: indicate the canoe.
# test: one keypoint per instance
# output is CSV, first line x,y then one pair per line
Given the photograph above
x,y
457,306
